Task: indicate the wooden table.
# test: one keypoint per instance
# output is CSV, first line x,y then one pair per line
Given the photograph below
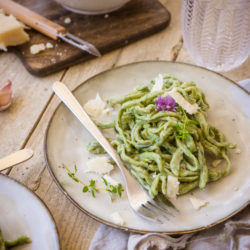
x,y
23,124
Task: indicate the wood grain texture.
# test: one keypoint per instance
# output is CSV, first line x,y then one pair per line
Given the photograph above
x,y
159,46
24,124
134,21
30,97
75,228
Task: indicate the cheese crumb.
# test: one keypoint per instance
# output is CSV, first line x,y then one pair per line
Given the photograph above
x,y
53,60
110,180
106,16
215,163
12,32
49,45
36,48
190,108
117,219
172,186
237,151
154,175
95,107
107,111
99,165
198,203
67,20
158,83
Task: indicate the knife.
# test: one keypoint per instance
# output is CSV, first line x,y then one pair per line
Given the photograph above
x,y
15,158
46,26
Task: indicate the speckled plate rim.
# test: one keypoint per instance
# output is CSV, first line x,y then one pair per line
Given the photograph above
x,y
40,202
124,228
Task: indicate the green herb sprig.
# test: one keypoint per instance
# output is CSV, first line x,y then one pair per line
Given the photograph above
x,y
182,128
113,190
91,187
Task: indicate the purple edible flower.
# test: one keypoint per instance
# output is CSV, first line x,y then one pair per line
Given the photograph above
x,y
165,103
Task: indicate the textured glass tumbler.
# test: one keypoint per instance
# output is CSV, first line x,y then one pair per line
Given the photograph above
x,y
216,33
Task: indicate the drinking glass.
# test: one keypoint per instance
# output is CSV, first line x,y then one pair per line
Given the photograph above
x,y
216,33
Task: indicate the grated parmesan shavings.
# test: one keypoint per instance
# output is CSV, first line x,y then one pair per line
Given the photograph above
x,y
99,165
190,108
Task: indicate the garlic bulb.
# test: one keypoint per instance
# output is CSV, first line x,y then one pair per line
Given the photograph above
x,y
5,95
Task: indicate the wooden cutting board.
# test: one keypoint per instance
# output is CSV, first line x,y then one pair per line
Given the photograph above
x,y
136,20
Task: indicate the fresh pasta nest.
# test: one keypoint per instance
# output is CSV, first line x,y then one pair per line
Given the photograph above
x,y
157,138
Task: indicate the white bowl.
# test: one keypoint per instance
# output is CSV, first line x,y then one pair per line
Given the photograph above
x,y
92,7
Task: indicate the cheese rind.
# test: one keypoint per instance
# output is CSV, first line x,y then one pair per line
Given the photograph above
x,y
11,32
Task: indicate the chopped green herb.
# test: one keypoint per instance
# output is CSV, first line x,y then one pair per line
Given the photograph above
x,y
120,189
105,182
75,168
113,190
182,128
91,187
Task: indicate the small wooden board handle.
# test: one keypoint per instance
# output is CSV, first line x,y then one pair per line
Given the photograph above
x,y
32,19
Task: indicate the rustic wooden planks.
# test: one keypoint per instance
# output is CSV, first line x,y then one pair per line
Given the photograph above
x,y
31,95
25,122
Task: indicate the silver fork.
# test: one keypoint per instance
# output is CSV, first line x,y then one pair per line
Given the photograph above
x,y
139,200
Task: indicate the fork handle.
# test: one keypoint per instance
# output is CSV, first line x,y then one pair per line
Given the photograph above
x,y
70,101
32,19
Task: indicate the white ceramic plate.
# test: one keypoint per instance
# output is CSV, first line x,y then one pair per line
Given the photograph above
x,y
23,213
66,141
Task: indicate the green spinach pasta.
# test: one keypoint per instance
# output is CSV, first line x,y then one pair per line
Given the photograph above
x,y
4,245
159,135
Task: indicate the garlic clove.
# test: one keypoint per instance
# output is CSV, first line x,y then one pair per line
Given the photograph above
x,y
5,95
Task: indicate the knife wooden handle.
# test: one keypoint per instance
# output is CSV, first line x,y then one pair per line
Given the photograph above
x,y
32,19
15,158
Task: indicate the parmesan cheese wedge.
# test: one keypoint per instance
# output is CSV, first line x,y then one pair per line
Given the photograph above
x,y
190,108
158,83
11,32
99,165
116,217
172,186
95,107
198,203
